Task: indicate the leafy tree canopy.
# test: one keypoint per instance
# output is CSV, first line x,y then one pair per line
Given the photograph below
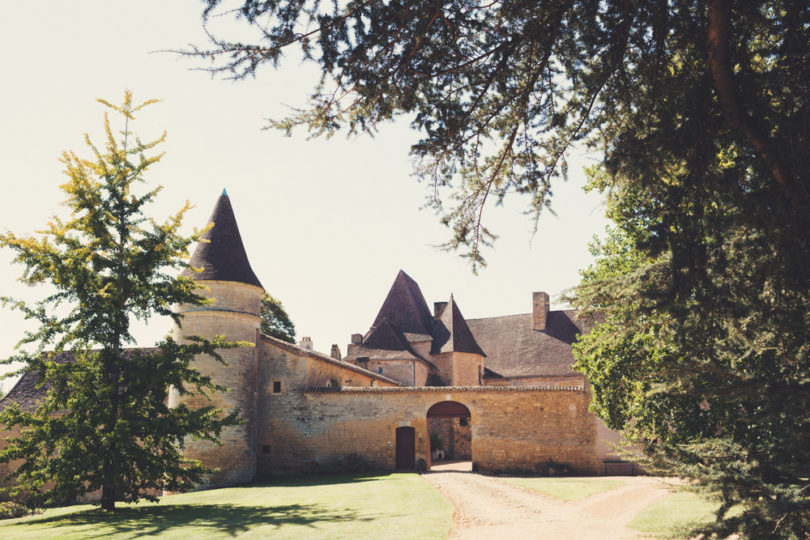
x,y
275,321
501,90
710,378
105,423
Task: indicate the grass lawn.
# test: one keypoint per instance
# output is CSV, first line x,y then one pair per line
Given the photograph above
x,y
566,489
399,505
674,515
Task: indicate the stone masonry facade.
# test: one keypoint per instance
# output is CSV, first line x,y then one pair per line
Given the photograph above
x,y
501,389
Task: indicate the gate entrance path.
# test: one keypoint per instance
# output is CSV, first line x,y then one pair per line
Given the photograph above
x,y
487,507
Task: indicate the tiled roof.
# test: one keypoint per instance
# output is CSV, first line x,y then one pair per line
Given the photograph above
x,y
386,342
405,307
222,257
451,333
26,393
386,336
515,349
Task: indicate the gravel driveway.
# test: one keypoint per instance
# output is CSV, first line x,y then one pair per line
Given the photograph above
x,y
489,509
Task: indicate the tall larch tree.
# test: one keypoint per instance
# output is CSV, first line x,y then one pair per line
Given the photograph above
x,y
104,423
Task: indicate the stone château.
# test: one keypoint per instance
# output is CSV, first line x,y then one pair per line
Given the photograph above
x,y
498,391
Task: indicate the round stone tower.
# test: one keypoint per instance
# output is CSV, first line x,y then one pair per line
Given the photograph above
x,y
226,277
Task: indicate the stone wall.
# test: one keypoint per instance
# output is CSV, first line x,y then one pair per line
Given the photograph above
x,y
302,429
406,371
235,315
285,374
467,369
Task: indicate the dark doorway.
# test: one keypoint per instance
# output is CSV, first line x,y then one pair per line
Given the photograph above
x,y
406,448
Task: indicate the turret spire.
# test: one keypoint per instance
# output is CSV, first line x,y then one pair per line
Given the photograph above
x,y
222,257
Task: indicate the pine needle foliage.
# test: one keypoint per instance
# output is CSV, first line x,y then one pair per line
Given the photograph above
x,y
104,423
708,375
501,91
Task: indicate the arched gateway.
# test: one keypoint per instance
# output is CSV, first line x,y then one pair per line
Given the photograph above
x,y
448,409
450,433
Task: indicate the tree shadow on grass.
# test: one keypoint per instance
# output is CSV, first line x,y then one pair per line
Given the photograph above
x,y
227,519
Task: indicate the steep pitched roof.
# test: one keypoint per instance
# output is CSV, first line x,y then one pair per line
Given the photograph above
x,y
451,333
386,342
515,349
387,336
405,307
223,256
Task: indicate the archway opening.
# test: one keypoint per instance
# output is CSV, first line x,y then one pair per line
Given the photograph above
x,y
450,440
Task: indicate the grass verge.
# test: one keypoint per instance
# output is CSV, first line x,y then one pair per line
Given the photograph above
x,y
673,516
566,489
344,506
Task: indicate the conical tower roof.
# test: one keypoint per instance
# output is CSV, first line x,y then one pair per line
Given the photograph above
x,y
406,307
452,334
222,257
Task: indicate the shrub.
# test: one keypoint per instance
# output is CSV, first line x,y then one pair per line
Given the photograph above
x,y
11,509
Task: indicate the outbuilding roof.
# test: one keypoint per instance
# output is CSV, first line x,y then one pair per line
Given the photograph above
x,y
386,342
515,349
28,394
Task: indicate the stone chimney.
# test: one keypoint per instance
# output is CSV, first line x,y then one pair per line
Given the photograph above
x,y
540,309
335,352
438,307
357,339
306,343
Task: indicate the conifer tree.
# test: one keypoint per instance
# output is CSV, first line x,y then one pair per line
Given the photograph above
x,y
707,378
104,423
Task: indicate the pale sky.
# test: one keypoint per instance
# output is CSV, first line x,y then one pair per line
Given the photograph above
x,y
326,223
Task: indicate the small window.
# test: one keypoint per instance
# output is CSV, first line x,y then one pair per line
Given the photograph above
x,y
276,387
380,370
265,449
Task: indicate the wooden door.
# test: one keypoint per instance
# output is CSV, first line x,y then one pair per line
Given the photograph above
x,y
406,448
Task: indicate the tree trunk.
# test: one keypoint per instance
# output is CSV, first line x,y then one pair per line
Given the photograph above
x,y
108,497
719,63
